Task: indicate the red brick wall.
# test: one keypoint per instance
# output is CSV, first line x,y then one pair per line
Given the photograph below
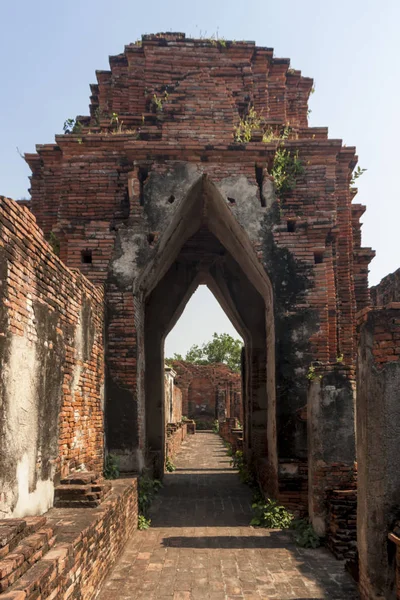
x,y
201,384
175,437
54,318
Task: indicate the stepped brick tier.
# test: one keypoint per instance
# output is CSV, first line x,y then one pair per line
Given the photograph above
x,y
209,392
68,553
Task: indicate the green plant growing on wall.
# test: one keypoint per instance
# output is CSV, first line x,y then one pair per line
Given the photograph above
x,y
147,490
268,513
216,426
143,523
312,374
286,168
244,130
72,126
169,465
304,534
111,467
54,243
115,123
158,102
356,174
238,462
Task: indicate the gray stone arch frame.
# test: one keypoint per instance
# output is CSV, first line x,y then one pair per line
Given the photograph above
x,y
204,244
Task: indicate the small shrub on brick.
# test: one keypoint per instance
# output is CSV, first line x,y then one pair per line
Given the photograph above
x,y
270,514
111,467
169,465
304,534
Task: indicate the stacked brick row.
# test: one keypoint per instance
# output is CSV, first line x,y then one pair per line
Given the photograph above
x,y
385,323
293,486
342,526
176,434
23,542
387,291
37,286
86,546
201,384
198,82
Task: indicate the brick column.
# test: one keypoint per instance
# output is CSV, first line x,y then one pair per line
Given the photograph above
x,y
331,438
378,426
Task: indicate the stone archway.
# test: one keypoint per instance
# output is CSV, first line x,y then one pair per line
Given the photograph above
x,y
205,244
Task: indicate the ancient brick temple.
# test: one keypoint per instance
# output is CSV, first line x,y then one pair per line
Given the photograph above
x,y
195,166
209,392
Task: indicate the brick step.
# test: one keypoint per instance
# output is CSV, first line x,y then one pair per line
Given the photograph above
x,y
12,531
28,552
81,478
42,580
76,495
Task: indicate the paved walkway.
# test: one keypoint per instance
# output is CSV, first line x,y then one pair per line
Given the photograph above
x,y
200,545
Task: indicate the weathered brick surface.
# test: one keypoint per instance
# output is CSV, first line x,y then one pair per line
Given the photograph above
x,y
378,397
59,315
209,391
388,290
87,545
342,528
176,434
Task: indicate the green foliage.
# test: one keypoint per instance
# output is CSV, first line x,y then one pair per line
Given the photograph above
x,y
169,465
304,534
202,425
238,462
185,419
148,488
115,123
111,467
223,348
158,102
143,523
213,39
286,168
244,130
356,174
340,358
312,374
228,448
54,243
72,126
268,513
216,426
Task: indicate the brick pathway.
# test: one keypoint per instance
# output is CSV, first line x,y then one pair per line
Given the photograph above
x,y
200,545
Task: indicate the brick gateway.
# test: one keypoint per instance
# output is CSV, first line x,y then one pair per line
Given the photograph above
x,y
150,196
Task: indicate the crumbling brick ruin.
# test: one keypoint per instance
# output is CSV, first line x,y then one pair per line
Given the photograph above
x,y
209,392
196,166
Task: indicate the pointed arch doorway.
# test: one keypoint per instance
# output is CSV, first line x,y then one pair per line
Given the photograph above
x,y
204,244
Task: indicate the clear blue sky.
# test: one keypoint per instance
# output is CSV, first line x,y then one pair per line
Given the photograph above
x,y
50,51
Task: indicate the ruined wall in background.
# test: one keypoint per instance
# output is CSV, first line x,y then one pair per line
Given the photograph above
x,y
51,367
388,290
173,398
209,391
